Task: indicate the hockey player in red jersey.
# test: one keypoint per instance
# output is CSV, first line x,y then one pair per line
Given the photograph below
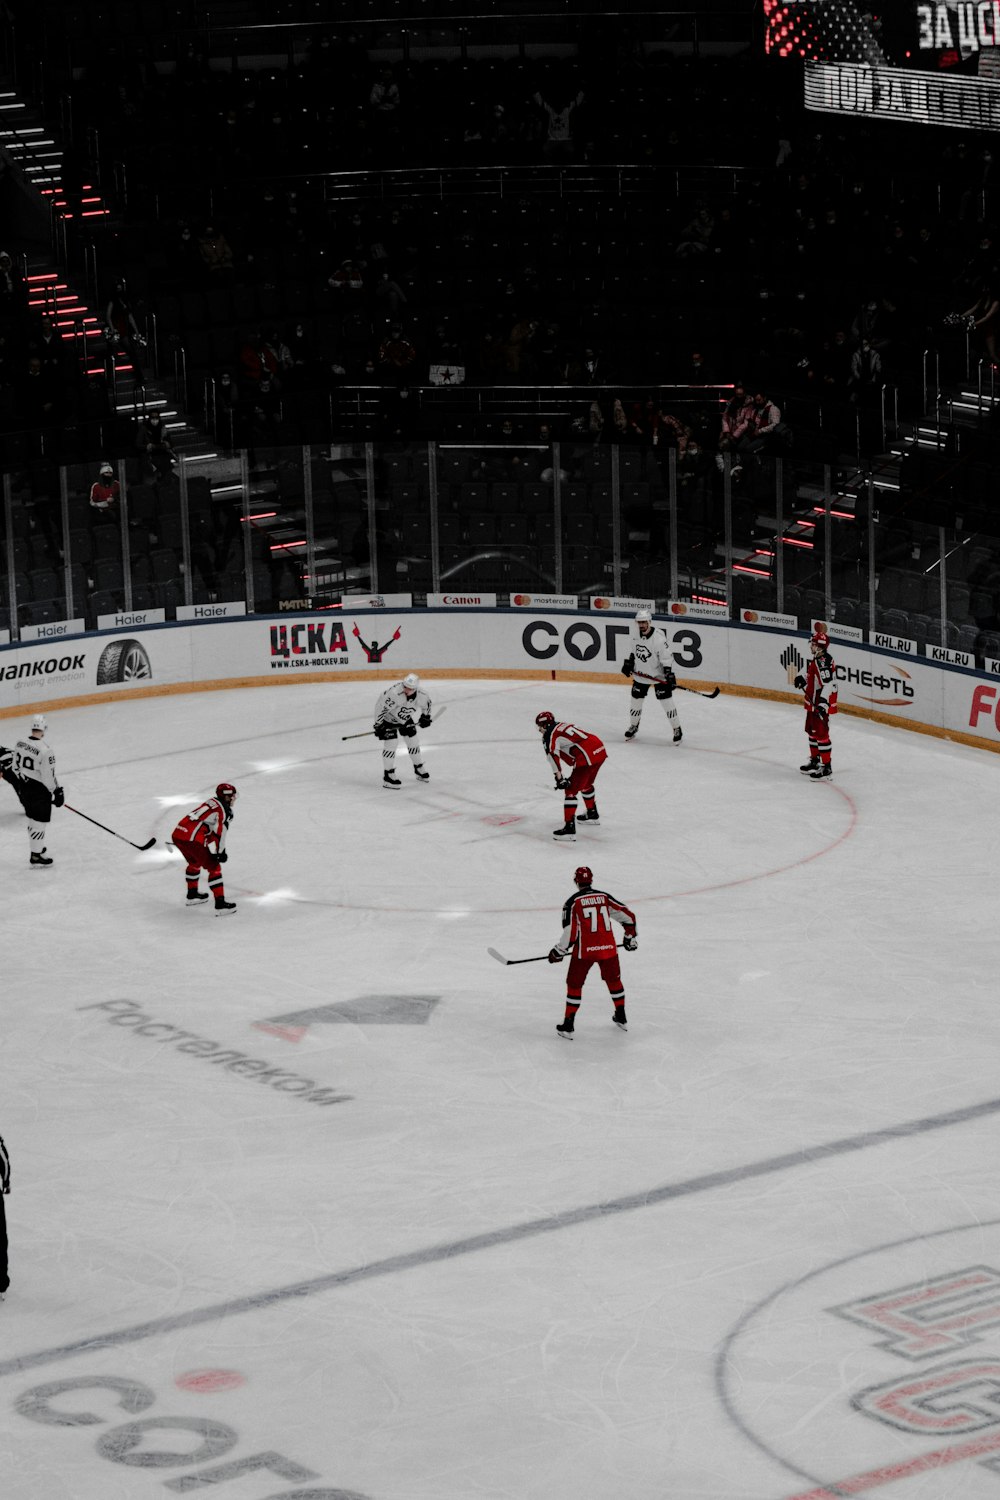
x,y
819,687
584,753
589,936
201,838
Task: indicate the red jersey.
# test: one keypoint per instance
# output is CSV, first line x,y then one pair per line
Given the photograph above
x,y
205,825
587,929
821,684
575,746
103,496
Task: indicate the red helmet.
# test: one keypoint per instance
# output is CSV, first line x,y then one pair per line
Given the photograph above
x,y
545,720
583,875
820,639
226,792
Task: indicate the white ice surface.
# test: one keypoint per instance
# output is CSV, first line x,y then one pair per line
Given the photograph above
x,y
816,963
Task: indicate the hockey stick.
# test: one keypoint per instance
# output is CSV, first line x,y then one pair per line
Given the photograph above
x,y
685,689
141,847
365,733
540,959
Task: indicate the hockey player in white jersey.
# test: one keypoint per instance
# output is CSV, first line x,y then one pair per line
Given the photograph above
x,y
39,790
650,665
401,711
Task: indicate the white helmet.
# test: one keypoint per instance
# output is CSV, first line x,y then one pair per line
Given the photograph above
x,y
643,617
411,682
39,724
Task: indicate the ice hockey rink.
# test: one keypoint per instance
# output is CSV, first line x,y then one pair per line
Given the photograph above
x,y
312,1203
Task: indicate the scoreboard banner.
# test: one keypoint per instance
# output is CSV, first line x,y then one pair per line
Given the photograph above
x,y
929,62
901,94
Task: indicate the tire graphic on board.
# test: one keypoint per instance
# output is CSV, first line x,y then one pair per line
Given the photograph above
x,y
123,661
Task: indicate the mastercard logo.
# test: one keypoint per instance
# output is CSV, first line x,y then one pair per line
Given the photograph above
x,y
750,616
602,603
522,599
678,609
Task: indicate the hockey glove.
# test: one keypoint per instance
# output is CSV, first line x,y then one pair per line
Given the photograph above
x,y
628,666
58,797
408,730
555,957
631,942
562,782
670,679
222,856
380,732
800,683
424,721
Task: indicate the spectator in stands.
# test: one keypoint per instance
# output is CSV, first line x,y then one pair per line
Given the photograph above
x,y
384,108
737,419
13,298
559,126
390,299
105,491
766,432
229,410
187,262
50,350
347,285
121,328
866,371
40,396
696,235
216,253
153,439
396,356
985,315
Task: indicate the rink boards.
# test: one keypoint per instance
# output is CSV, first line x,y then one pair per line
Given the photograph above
x,y
894,687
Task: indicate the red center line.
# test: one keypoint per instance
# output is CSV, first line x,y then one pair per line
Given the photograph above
x,y
872,1478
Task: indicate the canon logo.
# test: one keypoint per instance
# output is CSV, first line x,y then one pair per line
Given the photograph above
x,y
463,599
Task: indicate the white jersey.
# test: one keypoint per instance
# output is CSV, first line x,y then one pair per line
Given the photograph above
x,y
653,658
34,761
394,707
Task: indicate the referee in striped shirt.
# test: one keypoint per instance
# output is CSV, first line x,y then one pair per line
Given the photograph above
x,y
4,1188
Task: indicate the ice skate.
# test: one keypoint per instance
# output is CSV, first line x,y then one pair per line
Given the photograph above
x,y
619,1017
631,731
194,898
810,766
593,816
567,832
421,774
566,1030
223,908
389,778
678,735
820,772
40,860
